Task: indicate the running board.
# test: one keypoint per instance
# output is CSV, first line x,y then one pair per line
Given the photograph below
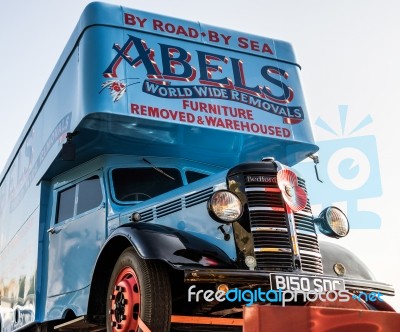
x,y
80,323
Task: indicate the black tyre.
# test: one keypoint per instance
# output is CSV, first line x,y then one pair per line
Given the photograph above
x,y
138,288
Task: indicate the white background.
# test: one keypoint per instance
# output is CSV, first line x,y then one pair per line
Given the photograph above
x,y
349,52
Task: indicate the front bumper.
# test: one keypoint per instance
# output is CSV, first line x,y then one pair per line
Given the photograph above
x,y
262,278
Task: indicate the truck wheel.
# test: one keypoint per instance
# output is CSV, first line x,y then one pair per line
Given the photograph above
x,y
138,288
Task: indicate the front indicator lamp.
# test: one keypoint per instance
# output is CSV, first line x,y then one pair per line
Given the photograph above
x,y
333,222
224,206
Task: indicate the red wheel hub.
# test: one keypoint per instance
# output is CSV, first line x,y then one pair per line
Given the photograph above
x,y
125,302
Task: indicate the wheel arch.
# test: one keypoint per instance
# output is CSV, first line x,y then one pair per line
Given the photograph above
x,y
169,246
101,275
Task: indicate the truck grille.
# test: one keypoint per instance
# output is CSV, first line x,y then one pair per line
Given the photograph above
x,y
269,226
308,242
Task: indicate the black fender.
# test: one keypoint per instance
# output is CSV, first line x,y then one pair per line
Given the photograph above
x,y
176,247
354,268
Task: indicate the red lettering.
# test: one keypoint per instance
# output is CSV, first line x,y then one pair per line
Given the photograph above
x,y
255,128
241,113
164,113
135,108
141,22
173,114
266,49
181,31
254,45
286,132
203,107
157,24
129,19
185,103
154,112
193,33
190,118
226,39
132,20
169,27
244,126
243,42
213,36
229,124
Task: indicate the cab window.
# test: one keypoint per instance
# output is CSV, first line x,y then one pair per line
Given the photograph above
x,y
192,176
79,198
66,204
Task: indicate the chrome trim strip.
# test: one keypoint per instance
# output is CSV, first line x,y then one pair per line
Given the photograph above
x,y
269,229
272,250
292,233
254,189
279,209
303,213
311,253
263,189
306,233
370,286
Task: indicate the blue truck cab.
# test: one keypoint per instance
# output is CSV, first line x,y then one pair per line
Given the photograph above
x,y
156,169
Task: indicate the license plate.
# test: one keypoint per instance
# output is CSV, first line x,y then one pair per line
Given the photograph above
x,y
294,282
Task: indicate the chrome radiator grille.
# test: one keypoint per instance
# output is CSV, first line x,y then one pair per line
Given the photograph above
x,y
269,227
307,238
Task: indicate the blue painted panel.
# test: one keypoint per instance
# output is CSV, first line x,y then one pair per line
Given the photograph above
x,y
57,306
173,97
18,265
73,250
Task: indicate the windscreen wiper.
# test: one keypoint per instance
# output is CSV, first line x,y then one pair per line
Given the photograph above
x,y
159,170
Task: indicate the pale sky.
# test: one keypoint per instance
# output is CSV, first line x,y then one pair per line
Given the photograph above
x,y
348,51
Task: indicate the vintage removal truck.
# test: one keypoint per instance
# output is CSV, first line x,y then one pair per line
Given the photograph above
x,y
155,166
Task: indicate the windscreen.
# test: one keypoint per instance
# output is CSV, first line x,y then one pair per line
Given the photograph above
x,y
140,184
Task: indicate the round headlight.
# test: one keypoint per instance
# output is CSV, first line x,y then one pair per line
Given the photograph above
x,y
333,222
225,206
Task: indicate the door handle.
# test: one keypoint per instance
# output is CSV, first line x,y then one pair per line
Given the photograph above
x,y
51,230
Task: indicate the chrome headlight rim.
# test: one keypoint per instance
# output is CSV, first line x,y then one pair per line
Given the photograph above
x,y
218,217
325,221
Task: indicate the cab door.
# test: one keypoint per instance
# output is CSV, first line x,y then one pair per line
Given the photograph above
x,y
76,236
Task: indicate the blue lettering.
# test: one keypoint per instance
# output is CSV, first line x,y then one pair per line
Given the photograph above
x,y
287,95
273,296
145,55
235,292
207,69
182,60
239,79
247,297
